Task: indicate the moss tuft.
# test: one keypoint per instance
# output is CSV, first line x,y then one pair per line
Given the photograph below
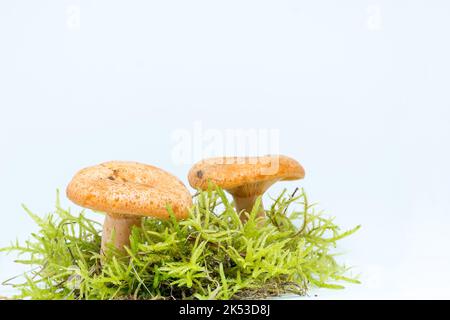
x,y
211,255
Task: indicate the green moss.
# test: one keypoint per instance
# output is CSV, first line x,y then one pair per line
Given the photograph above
x,y
211,255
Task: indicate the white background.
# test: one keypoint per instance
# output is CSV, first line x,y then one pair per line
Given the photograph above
x,y
359,91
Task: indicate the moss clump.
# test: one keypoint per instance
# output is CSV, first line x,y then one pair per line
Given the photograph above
x,y
211,255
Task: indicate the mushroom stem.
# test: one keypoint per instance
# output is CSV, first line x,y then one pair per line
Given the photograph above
x,y
120,226
246,204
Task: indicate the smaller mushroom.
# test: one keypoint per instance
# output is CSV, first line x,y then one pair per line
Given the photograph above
x,y
126,192
245,178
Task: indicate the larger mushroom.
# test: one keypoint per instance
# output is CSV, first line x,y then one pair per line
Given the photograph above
x,y
127,192
245,178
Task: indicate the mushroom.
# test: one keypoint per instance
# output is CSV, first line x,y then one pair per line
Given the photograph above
x,y
126,192
245,178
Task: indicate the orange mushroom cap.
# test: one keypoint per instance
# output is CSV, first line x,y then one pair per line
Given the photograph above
x,y
131,189
244,176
